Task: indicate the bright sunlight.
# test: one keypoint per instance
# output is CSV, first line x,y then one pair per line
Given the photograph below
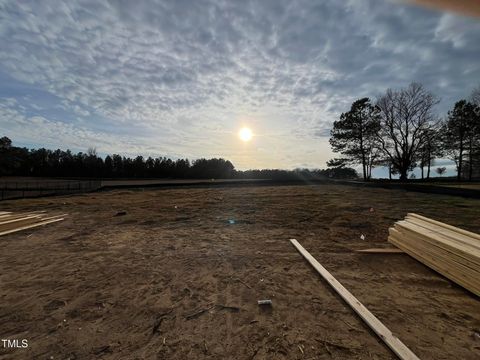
x,y
245,134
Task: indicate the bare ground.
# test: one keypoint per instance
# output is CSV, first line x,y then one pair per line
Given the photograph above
x,y
179,276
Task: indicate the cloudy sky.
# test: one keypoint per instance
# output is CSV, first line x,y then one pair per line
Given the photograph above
x,y
180,78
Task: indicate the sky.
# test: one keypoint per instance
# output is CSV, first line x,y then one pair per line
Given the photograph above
x,y
180,78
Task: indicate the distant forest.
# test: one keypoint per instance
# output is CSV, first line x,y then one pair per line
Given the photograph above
x,y
18,161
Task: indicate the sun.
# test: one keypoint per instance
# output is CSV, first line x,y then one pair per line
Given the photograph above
x,y
245,134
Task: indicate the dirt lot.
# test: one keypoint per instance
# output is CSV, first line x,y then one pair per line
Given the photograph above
x,y
179,275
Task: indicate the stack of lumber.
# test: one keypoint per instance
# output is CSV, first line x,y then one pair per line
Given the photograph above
x,y
13,222
451,251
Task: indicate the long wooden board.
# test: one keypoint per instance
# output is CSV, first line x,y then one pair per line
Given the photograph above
x,y
19,223
446,267
19,215
438,240
10,221
444,258
458,237
446,226
446,235
381,251
394,343
437,253
453,277
451,251
30,226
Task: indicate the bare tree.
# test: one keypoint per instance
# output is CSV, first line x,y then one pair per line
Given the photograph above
x,y
405,115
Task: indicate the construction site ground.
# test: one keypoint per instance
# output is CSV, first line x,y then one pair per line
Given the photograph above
x,y
177,273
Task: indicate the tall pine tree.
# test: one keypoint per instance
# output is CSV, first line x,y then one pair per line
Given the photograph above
x,y
354,135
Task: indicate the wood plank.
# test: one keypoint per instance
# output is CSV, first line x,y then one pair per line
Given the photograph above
x,y
445,232
435,239
396,240
10,221
465,280
8,216
425,245
451,251
467,272
446,226
12,224
4,215
381,251
460,239
13,216
30,226
446,259
399,348
441,259
19,214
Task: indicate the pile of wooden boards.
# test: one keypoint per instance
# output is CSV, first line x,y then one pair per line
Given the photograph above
x,y
451,251
13,222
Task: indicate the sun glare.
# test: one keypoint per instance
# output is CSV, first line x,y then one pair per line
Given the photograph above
x,y
245,134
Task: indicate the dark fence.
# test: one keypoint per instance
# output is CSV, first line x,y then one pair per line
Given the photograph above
x,y
31,188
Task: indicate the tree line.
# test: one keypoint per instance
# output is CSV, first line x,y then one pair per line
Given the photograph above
x,y
18,161
401,131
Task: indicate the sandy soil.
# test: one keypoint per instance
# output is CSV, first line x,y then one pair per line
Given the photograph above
x,y
179,276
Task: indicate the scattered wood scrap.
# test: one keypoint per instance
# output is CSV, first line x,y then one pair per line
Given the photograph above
x,y
13,222
399,348
381,251
453,252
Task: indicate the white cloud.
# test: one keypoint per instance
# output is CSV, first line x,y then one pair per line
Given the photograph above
x,y
37,129
458,31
